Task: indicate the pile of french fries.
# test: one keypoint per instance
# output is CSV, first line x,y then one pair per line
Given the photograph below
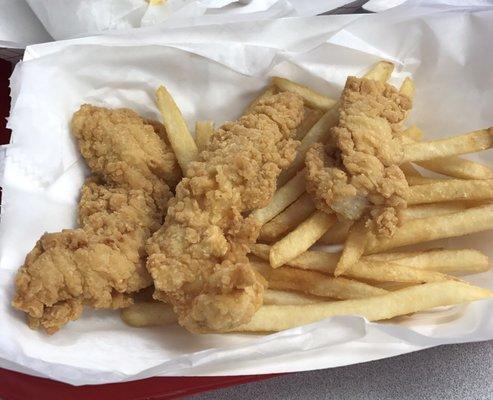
x,y
366,278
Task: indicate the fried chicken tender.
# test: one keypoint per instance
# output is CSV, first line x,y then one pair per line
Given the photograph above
x,y
355,172
126,150
103,261
198,258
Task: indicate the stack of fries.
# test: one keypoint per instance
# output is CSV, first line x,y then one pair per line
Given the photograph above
x,y
364,278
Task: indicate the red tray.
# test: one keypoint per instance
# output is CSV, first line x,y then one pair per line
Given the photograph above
x,y
17,386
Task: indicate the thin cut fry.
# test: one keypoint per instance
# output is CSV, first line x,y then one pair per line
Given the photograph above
x,y
391,286
462,144
311,98
461,262
318,133
408,88
430,210
408,269
320,261
291,217
410,171
353,248
300,239
311,118
337,234
451,189
203,133
148,314
421,230
453,166
282,297
414,133
282,199
381,71
422,180
400,302
458,168
314,283
179,136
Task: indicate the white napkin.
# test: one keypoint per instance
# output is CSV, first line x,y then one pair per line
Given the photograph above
x,y
448,51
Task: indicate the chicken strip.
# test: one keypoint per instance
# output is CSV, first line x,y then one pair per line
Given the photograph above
x,y
356,171
126,150
103,261
198,258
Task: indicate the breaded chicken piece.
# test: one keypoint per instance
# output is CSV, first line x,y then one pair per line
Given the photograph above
x,y
198,258
355,173
96,265
126,150
103,261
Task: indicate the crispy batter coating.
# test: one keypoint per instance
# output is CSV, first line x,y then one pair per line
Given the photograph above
x,y
126,150
198,258
103,261
355,172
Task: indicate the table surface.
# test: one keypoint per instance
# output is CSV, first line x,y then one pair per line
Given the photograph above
x,y
452,372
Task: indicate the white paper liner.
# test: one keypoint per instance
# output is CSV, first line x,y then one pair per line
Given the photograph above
x,y
446,50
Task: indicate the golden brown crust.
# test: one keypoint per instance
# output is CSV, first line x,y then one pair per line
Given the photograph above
x,y
103,261
356,172
198,258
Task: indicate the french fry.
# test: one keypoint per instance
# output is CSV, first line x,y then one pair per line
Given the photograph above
x,y
282,198
314,283
392,304
453,166
422,180
179,136
300,239
458,168
381,71
430,210
282,297
148,314
410,171
291,217
450,190
203,133
336,234
311,118
389,271
407,88
458,262
311,98
353,248
414,133
320,261
391,286
410,268
468,143
318,133
476,219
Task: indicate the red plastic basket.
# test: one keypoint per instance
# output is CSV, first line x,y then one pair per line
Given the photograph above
x,y
17,386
